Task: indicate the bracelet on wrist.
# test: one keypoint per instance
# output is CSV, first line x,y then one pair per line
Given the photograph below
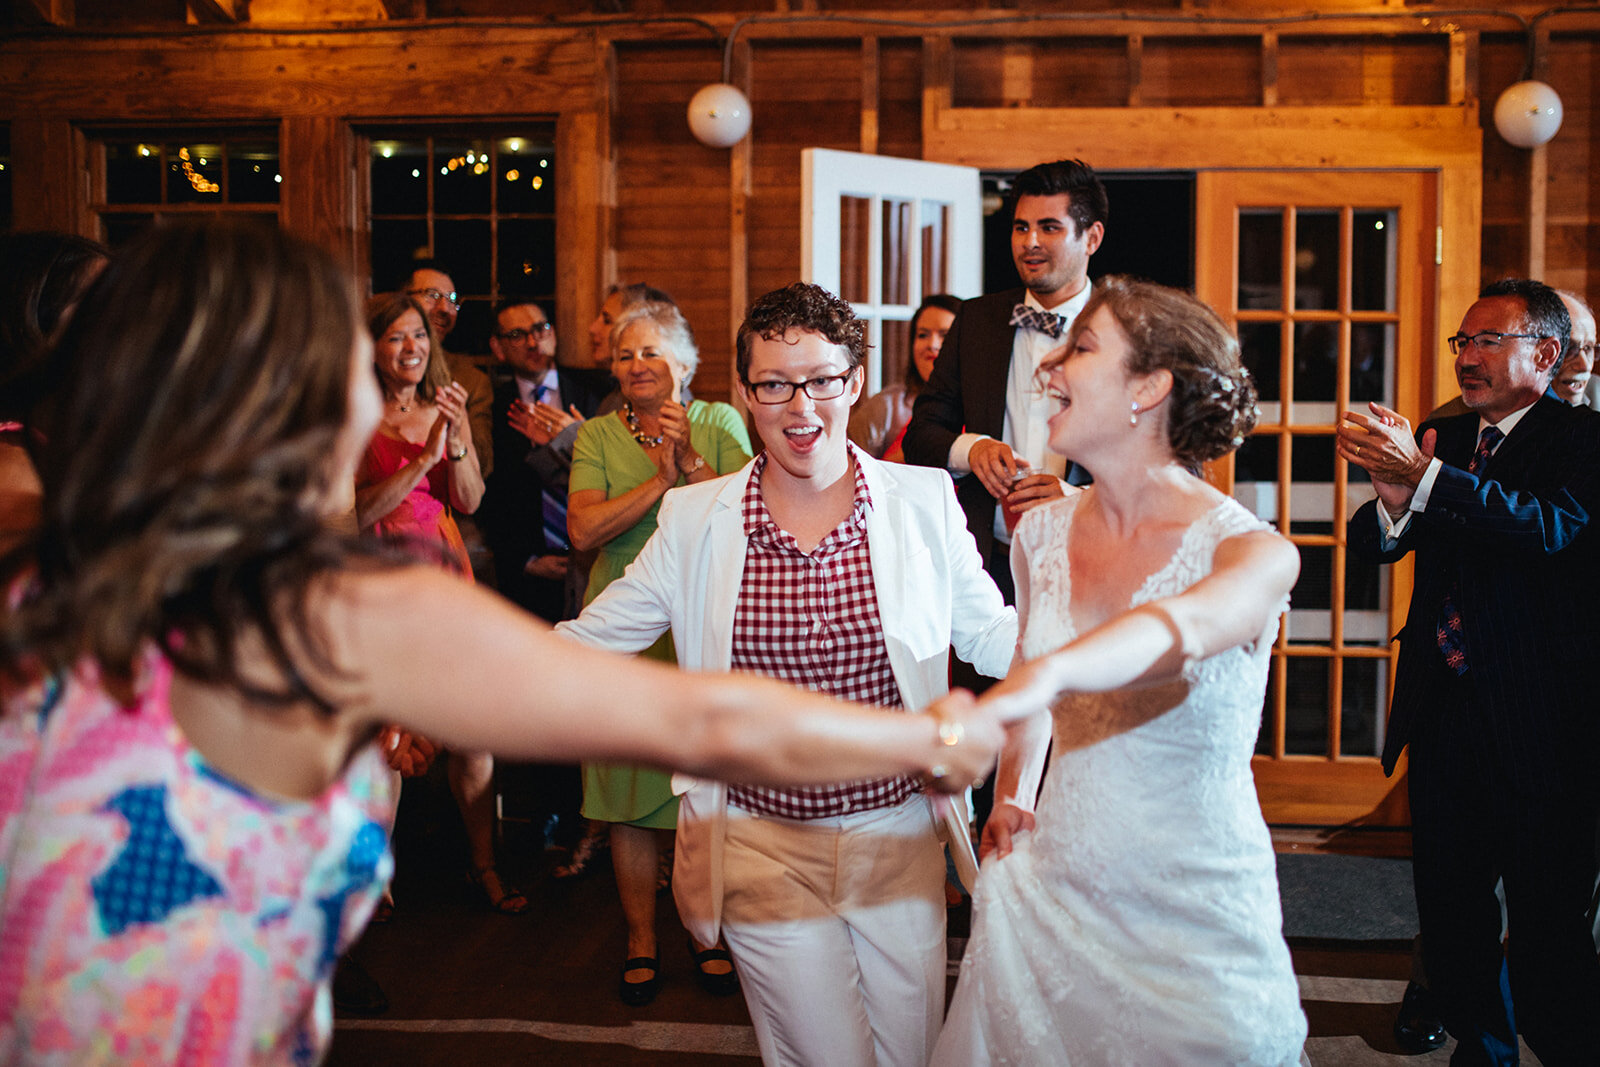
x,y
950,735
457,457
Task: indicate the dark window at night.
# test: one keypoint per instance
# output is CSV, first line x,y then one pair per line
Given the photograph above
x,y
482,203
145,175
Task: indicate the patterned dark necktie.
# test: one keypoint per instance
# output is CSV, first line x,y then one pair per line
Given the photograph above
x,y
553,506
1046,322
1449,634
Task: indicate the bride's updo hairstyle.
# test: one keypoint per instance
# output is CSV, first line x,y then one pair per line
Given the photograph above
x,y
1213,402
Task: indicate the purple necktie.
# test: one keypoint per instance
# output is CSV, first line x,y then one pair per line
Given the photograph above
x,y
1449,635
1046,322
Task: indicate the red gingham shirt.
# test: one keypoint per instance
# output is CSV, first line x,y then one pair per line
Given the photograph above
x,y
812,621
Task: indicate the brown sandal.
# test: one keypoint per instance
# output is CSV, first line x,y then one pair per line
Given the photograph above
x,y
501,897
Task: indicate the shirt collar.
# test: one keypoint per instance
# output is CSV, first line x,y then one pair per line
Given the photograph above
x,y
1507,424
758,521
1068,309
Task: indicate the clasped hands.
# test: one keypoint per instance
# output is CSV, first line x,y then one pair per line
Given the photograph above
x,y
997,467
540,422
678,456
448,436
1381,443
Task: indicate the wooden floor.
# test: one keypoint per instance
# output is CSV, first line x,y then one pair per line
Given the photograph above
x,y
468,986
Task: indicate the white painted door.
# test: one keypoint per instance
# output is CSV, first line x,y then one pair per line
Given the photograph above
x,y
884,232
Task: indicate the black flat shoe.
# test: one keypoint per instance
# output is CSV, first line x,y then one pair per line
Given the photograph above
x,y
355,992
718,985
1417,1028
638,994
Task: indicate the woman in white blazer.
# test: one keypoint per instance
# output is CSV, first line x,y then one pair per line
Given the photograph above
x,y
881,934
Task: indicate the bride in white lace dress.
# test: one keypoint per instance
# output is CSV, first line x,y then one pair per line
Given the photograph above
x,y
1134,920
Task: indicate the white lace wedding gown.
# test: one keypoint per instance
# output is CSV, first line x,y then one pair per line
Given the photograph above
x,y
1139,923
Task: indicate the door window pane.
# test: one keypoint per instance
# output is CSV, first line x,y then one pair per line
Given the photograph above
x,y
1261,349
1372,261
1260,259
896,351
1305,731
526,177
1311,468
1255,476
1361,718
896,236
1316,260
935,248
1372,363
1316,373
1310,619
855,255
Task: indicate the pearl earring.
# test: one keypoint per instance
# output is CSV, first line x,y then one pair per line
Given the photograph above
x,y
1133,419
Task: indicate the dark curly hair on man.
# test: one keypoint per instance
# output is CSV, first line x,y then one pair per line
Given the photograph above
x,y
801,306
1213,401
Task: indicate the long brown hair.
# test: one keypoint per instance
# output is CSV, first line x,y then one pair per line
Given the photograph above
x,y
382,312
185,464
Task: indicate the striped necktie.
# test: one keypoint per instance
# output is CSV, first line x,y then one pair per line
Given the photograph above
x,y
1449,635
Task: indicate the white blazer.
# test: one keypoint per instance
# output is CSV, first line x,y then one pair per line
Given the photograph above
x,y
932,593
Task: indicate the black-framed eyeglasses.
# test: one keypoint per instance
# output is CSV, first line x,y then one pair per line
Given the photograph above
x,y
453,299
816,388
1487,340
532,333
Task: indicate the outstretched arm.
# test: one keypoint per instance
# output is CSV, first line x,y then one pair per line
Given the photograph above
x,y
438,656
1151,644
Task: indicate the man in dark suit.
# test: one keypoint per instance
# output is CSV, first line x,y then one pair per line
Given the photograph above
x,y
536,415
982,415
1500,506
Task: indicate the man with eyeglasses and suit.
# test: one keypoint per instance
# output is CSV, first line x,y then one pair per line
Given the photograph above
x,y
431,286
1499,504
826,568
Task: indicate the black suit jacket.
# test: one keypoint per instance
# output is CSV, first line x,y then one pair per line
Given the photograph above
x,y
511,515
967,393
1515,550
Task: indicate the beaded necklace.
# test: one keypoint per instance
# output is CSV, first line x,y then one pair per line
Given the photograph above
x,y
633,427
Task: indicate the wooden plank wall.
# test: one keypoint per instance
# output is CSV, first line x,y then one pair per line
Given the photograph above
x,y
717,227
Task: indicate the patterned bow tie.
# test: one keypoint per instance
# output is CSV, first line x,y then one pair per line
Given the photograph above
x,y
1046,322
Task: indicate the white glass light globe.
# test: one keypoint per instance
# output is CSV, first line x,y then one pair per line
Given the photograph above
x,y
1528,114
719,115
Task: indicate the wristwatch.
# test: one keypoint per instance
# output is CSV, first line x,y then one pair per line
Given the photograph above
x,y
457,457
697,466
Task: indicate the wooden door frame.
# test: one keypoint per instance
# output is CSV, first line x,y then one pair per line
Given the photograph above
x,y
1442,142
1445,140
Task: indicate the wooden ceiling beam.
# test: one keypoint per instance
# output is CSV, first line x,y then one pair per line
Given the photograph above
x,y
44,12
218,11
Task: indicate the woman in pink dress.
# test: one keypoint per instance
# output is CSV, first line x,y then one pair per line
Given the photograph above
x,y
419,469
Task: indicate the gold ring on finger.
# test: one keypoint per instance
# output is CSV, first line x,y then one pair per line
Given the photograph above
x,y
1358,450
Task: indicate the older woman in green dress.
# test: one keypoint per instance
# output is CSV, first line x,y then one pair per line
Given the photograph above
x,y
623,464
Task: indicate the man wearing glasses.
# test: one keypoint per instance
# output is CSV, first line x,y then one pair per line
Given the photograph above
x,y
821,566
536,415
1577,366
1490,695
431,286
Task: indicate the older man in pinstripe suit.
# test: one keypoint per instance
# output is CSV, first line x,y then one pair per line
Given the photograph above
x,y
1500,506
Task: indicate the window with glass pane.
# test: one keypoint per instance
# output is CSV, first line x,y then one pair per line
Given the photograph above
x,y
480,201
145,175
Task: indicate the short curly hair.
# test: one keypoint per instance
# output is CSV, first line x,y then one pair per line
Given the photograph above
x,y
1212,406
801,306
